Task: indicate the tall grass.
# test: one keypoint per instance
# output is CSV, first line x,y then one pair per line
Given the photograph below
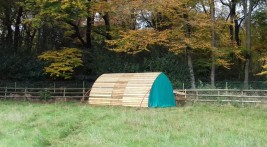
x,y
71,124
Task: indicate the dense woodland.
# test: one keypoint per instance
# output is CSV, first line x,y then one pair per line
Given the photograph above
x,y
189,40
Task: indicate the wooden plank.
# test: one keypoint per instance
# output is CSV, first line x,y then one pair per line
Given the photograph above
x,y
136,98
102,84
135,105
99,92
122,88
104,92
102,88
129,91
139,85
100,95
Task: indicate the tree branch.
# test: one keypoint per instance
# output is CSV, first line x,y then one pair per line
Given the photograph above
x,y
226,4
100,33
149,22
77,32
241,20
227,17
202,4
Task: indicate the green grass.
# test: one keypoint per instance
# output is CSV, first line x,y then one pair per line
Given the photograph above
x,y
73,124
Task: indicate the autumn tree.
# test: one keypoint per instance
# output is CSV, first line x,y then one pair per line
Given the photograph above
x,y
259,37
180,26
62,63
247,5
205,34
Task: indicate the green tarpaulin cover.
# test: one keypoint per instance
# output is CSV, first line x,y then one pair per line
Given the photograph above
x,y
161,93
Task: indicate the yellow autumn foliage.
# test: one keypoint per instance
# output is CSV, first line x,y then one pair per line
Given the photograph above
x,y
169,21
135,41
62,62
264,67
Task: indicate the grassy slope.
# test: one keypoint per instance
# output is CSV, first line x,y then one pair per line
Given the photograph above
x,y
28,124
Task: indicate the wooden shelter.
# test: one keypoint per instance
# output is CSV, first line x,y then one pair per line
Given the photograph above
x,y
132,89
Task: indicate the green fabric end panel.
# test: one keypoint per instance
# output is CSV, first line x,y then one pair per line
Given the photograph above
x,y
161,93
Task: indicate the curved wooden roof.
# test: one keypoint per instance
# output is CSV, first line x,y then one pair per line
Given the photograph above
x,y
126,89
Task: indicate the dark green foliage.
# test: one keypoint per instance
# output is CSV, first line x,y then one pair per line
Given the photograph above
x,y
174,66
20,67
45,95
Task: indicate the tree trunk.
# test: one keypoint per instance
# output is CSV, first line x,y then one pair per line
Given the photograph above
x,y
188,51
234,26
89,32
133,19
232,7
107,25
237,27
89,21
191,69
247,13
77,32
28,39
17,29
213,41
212,74
246,73
8,25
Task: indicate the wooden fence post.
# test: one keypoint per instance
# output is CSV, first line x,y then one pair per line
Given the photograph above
x,y
54,87
226,87
83,88
15,86
185,93
64,94
25,92
197,95
242,94
83,84
83,91
5,92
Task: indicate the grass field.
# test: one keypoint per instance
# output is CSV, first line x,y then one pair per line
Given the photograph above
x,y
73,124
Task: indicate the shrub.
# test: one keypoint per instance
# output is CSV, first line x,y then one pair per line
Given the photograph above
x,y
45,95
62,62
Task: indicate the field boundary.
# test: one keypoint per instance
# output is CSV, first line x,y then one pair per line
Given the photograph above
x,y
193,95
223,95
42,93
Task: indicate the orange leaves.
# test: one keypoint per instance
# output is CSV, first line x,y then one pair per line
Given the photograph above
x,y
135,41
174,24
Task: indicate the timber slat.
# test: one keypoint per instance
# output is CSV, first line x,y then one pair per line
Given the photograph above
x,y
126,89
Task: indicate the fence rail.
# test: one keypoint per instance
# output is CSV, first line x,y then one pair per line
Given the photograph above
x,y
223,95
36,93
48,84
194,95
